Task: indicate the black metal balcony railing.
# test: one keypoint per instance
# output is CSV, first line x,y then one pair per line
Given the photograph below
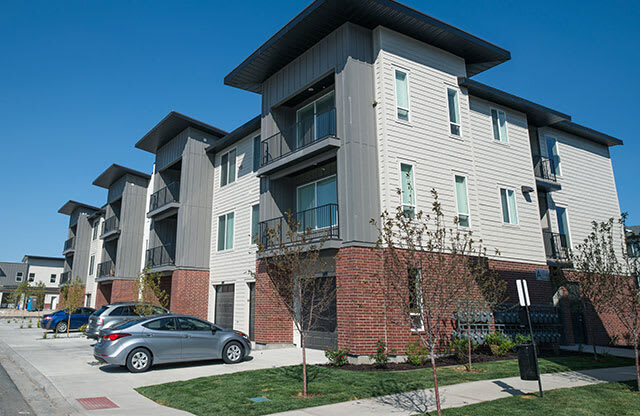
x,y
317,224
556,246
110,224
544,168
64,277
69,244
106,269
166,195
161,256
293,138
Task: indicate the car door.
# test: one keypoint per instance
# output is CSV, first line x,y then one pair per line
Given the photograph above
x,y
163,339
199,339
76,319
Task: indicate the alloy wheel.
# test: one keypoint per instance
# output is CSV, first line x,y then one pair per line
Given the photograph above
x,y
234,353
139,360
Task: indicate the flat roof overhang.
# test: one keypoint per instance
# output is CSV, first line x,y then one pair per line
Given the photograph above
x,y
169,127
238,134
31,256
70,206
322,17
115,172
587,133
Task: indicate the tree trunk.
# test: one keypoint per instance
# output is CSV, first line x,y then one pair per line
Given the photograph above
x,y
304,365
635,350
68,323
435,381
469,350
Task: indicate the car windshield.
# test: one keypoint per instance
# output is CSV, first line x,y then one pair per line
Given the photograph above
x,y
127,324
99,311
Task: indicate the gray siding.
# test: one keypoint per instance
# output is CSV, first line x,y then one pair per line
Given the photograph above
x,y
8,272
132,216
83,240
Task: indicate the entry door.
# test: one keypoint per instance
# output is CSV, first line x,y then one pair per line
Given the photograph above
x,y
323,333
252,310
224,305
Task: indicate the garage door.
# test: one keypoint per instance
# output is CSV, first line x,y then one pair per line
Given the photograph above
x,y
224,306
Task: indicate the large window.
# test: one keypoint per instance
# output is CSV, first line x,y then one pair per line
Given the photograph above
x,y
454,112
52,279
225,232
316,120
462,200
91,264
499,122
414,279
408,190
255,219
32,277
402,95
563,227
552,153
317,204
95,229
256,153
509,211
19,277
228,168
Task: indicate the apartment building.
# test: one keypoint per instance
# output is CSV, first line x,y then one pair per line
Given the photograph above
x,y
121,232
96,221
35,270
76,246
377,97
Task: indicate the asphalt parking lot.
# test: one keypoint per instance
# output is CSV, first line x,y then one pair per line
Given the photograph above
x,y
64,370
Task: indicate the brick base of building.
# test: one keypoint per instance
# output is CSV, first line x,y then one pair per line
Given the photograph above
x,y
115,291
273,324
189,292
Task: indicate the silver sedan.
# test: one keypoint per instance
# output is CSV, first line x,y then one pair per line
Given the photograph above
x,y
140,343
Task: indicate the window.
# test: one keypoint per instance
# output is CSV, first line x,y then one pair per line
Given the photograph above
x,y
32,277
95,229
19,277
462,199
634,249
499,122
552,153
91,264
402,95
414,278
162,324
563,227
190,324
228,168
256,153
225,232
316,120
255,218
509,212
317,204
454,112
408,190
52,279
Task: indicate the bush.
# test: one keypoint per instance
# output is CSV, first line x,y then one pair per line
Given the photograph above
x,y
500,343
337,357
521,339
381,357
460,347
83,328
417,354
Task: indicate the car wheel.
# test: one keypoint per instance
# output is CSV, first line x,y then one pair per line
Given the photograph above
x,y
232,353
61,327
139,360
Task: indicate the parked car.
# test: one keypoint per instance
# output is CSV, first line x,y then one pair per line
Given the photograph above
x,y
110,315
140,343
58,320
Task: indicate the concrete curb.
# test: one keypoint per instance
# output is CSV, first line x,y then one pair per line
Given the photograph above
x,y
43,397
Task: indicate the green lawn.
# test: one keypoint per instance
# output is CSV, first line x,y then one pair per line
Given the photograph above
x,y
229,394
601,399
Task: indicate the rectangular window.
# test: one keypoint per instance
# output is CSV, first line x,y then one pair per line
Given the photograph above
x,y
52,279
499,122
95,229
462,199
32,277
509,211
408,190
317,204
563,227
402,95
454,112
256,153
316,120
91,264
414,278
552,153
19,277
228,168
225,232
255,218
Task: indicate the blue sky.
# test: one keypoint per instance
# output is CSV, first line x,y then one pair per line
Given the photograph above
x,y
81,82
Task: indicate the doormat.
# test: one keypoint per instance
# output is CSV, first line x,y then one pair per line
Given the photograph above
x,y
97,403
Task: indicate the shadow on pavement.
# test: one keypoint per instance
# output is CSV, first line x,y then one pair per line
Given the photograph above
x,y
509,389
115,369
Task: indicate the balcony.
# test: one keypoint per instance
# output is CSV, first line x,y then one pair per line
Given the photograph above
x,y
110,228
69,246
106,269
65,277
303,140
161,256
545,172
321,223
165,201
556,246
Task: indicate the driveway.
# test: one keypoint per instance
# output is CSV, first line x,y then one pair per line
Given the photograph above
x,y
66,367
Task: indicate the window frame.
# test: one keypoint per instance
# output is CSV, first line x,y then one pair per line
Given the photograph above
x,y
256,152
413,177
451,123
466,189
418,300
558,166
95,230
566,213
407,73
53,278
92,264
227,168
253,238
506,125
313,104
19,275
515,204
31,277
315,189
226,219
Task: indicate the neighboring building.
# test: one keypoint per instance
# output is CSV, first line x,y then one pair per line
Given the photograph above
x,y
122,233
633,240
11,275
34,269
96,221
76,247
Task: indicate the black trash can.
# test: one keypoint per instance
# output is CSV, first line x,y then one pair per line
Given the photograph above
x,y
527,362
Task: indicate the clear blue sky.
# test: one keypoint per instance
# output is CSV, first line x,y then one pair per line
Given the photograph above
x,y
82,81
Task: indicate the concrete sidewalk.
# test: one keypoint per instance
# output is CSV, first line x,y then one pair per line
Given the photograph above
x,y
615,351
457,395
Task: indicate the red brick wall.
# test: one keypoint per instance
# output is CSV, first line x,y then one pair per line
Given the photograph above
x,y
273,323
190,292
540,291
123,291
103,294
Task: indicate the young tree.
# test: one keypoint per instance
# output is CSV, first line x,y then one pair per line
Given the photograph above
x,y
148,292
427,267
21,293
608,277
39,291
71,298
292,262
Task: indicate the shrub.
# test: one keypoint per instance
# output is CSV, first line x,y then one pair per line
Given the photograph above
x,y
521,339
500,343
460,347
83,328
337,357
381,357
44,335
417,354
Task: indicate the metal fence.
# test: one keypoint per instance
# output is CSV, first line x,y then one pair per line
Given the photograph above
x,y
106,268
110,224
166,195
313,224
69,244
556,245
544,168
161,256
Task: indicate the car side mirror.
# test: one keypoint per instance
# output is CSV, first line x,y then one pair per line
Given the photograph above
x,y
213,330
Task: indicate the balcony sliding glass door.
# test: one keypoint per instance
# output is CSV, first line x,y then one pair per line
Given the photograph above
x,y
316,121
317,204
